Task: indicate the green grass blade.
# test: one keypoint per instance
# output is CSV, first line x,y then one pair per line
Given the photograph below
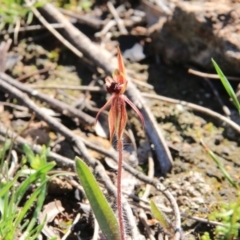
x,y
159,215
102,211
5,147
33,177
29,204
39,204
227,85
221,167
5,188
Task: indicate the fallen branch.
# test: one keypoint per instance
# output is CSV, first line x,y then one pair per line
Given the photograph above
x,y
196,108
18,143
54,103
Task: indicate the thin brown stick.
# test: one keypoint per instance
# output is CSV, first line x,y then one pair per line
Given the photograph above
x,y
101,58
54,103
90,21
196,108
23,77
203,220
68,87
105,29
31,28
209,75
118,20
18,143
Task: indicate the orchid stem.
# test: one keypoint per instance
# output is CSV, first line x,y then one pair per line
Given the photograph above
x,y
119,189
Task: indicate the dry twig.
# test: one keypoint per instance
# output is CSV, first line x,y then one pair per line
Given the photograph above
x,y
54,103
68,87
196,108
19,142
118,20
30,28
89,21
209,75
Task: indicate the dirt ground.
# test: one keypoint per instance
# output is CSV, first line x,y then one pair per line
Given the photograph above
x,y
38,59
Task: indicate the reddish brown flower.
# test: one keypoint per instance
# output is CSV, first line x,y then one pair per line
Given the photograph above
x,y
118,115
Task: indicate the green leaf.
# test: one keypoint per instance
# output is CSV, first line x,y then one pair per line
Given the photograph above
x,y
102,211
159,215
227,85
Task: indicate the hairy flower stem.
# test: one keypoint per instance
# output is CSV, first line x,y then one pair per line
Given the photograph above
x,y
119,189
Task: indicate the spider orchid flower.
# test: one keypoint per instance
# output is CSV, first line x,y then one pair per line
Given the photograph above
x,y
116,86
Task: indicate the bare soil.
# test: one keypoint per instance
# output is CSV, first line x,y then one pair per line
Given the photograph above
x,y
195,180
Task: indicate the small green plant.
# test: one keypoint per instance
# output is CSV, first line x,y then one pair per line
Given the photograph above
x,y
12,11
229,215
18,220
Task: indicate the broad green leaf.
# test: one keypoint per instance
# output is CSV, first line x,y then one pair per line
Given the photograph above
x,y
102,211
159,215
227,85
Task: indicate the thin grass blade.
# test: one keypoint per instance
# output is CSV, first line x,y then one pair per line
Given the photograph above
x,y
227,86
5,188
24,186
223,170
29,203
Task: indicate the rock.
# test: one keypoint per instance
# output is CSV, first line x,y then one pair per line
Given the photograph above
x,y
195,32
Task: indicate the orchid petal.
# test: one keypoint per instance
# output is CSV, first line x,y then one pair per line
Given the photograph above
x,y
134,108
121,75
104,107
122,121
111,123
